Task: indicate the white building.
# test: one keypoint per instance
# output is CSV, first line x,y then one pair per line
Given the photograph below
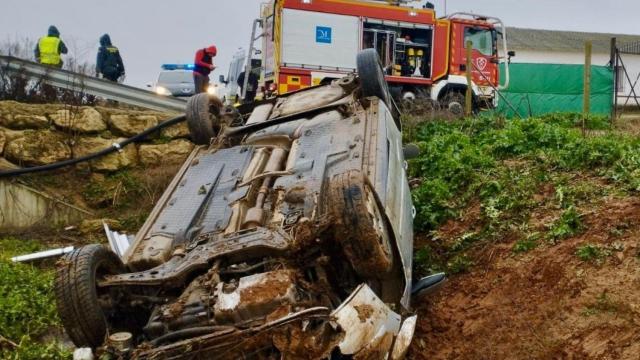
x,y
567,47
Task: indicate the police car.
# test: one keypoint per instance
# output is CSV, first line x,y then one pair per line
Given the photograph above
x,y
177,80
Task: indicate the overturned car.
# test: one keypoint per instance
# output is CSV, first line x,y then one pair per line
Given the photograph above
x,y
286,234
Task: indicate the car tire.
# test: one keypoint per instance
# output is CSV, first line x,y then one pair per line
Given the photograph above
x,y
202,114
372,75
361,228
76,292
454,102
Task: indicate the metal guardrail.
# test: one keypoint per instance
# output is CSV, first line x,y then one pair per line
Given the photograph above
x,y
87,84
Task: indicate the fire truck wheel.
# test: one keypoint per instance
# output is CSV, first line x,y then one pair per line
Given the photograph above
x,y
454,102
203,111
78,297
372,75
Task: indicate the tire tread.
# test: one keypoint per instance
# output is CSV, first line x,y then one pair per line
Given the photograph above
x,y
199,120
76,295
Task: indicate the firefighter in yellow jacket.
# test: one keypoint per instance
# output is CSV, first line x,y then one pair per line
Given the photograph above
x,y
50,48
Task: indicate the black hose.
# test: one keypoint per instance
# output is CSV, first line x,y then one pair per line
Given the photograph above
x,y
115,147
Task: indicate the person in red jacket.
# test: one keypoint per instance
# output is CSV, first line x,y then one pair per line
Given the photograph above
x,y
203,67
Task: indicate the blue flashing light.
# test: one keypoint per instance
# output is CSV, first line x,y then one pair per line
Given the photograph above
x,y
178,66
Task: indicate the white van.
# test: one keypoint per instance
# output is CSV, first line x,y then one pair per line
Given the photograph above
x,y
229,90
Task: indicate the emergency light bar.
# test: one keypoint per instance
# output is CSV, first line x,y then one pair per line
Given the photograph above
x,y
178,66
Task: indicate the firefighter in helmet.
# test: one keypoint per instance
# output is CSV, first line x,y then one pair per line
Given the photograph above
x,y
109,62
50,48
203,67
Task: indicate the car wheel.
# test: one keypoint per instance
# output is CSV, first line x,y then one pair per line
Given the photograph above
x,y
454,102
202,113
77,294
361,225
372,75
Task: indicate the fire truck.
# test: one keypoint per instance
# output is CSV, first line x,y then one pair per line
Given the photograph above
x,y
312,42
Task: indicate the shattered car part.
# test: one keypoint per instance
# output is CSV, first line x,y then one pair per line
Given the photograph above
x,y
41,255
119,243
369,324
287,235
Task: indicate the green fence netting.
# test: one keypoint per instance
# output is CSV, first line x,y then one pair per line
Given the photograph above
x,y
537,89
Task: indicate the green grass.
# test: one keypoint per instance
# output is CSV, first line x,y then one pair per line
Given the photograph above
x,y
117,191
525,245
503,165
569,224
27,307
596,254
459,264
161,139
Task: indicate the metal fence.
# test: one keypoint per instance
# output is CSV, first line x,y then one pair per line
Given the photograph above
x,y
624,102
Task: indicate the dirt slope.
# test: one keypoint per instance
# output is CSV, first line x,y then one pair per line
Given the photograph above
x,y
547,303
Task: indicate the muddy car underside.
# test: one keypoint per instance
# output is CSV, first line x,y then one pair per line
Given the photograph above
x,y
288,236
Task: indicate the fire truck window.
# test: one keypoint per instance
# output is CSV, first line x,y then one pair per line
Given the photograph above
x,y
367,40
383,40
482,40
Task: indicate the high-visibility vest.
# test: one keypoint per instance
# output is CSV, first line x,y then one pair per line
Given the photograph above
x,y
48,46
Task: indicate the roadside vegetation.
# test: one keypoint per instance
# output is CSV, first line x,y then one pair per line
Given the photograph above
x,y
28,319
530,182
536,224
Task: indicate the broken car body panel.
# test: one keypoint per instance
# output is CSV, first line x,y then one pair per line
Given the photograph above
x,y
366,321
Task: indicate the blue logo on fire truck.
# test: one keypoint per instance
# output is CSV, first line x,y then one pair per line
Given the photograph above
x,y
323,34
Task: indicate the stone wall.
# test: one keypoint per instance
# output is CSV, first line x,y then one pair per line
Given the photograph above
x,y
32,135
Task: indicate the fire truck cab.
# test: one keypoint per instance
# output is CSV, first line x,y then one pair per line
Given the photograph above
x,y
312,42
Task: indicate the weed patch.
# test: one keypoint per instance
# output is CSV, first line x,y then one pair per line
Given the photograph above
x,y
596,254
569,224
503,166
459,264
116,190
27,308
427,262
525,245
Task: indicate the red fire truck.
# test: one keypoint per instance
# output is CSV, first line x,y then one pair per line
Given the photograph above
x,y
311,42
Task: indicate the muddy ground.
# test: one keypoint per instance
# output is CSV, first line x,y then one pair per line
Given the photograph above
x,y
546,303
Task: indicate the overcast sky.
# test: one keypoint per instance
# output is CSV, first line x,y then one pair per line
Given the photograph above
x,y
152,32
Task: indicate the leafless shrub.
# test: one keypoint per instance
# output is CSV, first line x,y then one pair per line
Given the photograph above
x,y
19,87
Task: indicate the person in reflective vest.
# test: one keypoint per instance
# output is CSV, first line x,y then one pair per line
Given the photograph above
x,y
50,47
203,67
109,62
